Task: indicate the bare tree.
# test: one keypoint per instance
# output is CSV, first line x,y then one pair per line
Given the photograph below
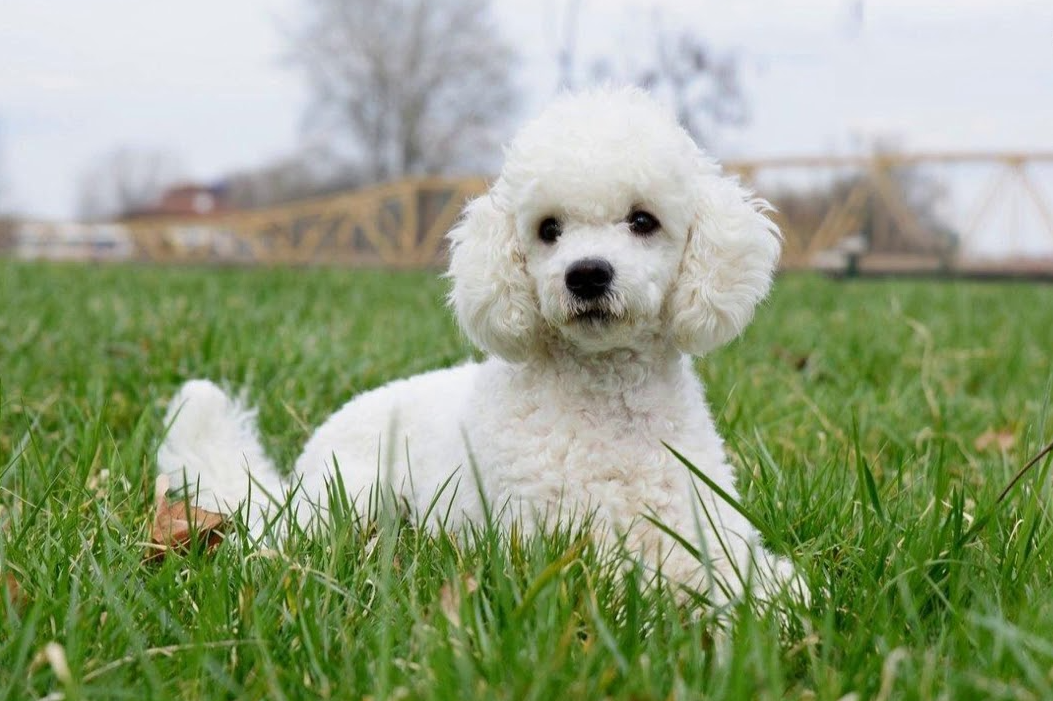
x,y
566,52
701,85
896,215
415,86
310,173
677,65
125,181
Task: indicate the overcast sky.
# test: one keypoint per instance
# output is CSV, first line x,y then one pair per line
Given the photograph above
x,y
207,80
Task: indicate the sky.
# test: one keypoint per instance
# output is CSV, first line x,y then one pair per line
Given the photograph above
x,y
211,81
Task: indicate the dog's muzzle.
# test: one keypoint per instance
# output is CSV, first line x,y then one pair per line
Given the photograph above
x,y
589,278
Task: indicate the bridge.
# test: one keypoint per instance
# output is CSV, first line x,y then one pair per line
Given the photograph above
x,y
950,212
968,212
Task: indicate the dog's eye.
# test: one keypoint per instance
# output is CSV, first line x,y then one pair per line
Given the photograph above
x,y
549,230
643,223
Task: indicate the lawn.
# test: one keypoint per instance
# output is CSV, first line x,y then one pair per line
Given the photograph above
x,y
874,424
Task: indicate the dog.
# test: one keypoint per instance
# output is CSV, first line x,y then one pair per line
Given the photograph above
x,y
607,253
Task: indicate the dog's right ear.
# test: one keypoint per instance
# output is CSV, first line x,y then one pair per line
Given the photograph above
x,y
492,295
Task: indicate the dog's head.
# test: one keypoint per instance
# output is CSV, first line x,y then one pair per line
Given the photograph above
x,y
609,228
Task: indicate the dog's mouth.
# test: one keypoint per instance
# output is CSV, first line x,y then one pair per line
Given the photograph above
x,y
594,317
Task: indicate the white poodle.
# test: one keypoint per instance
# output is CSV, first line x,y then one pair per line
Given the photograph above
x,y
607,253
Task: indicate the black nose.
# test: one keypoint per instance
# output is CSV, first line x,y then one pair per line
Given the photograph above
x,y
589,278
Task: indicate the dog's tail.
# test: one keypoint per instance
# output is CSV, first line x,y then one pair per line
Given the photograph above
x,y
212,449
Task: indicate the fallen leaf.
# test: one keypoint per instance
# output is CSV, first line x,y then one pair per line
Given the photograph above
x,y
799,361
450,598
177,522
1004,439
14,592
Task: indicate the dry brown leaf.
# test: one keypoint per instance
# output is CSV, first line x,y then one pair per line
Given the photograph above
x,y
799,361
450,598
14,592
176,523
1004,439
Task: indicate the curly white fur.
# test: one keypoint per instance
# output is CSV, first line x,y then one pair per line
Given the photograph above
x,y
573,406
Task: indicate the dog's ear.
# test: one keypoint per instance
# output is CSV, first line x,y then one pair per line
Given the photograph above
x,y
727,267
492,295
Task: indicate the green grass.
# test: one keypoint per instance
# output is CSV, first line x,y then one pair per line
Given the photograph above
x,y
851,410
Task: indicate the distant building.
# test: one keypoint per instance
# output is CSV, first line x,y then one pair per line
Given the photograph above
x,y
8,236
72,241
188,200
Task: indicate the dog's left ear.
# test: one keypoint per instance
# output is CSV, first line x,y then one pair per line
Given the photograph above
x,y
727,267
